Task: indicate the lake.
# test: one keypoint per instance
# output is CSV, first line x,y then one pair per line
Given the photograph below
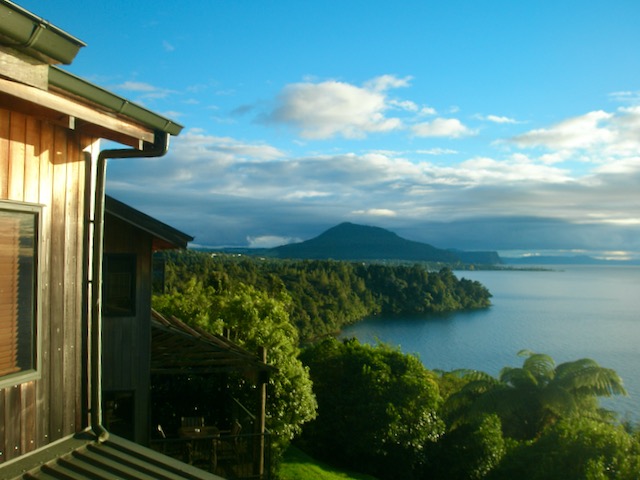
x,y
570,312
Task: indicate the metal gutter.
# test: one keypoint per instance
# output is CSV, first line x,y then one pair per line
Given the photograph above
x,y
79,87
30,34
36,36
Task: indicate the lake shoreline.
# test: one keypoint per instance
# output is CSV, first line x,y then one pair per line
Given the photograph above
x,y
578,312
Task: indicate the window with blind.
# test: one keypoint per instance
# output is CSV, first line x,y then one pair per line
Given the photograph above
x,y
19,231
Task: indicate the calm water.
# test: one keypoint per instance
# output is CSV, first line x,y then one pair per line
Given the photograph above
x,y
569,313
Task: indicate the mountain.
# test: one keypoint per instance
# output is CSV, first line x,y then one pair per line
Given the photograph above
x,y
349,241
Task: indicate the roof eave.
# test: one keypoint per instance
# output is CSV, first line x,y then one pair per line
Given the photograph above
x,y
94,94
35,36
166,233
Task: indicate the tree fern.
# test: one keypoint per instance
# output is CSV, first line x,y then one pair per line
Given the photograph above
x,y
530,398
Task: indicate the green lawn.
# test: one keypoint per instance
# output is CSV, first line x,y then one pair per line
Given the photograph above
x,y
297,465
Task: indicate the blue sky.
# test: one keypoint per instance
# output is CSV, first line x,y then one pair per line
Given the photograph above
x,y
502,125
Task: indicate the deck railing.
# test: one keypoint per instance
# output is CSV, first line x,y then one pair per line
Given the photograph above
x,y
233,454
230,456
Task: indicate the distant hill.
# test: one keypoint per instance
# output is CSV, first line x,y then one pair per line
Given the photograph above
x,y
349,241
479,258
558,260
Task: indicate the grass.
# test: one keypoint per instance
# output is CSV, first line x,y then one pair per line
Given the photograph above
x,y
297,465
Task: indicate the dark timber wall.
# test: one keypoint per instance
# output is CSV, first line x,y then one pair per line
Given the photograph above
x,y
126,340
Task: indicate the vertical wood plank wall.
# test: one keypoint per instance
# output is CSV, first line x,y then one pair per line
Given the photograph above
x,y
126,341
45,164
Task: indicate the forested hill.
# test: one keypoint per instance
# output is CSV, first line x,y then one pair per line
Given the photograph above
x,y
349,241
323,296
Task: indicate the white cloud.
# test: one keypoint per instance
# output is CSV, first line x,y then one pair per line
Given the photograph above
x,y
376,212
442,127
580,132
625,166
629,96
303,194
437,151
386,82
516,169
173,114
626,124
499,119
195,146
428,111
407,105
270,241
144,90
331,108
137,87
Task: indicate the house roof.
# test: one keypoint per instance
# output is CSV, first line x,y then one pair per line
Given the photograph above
x,y
71,84
85,106
82,456
164,236
179,348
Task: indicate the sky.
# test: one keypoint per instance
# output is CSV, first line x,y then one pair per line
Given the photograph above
x,y
480,125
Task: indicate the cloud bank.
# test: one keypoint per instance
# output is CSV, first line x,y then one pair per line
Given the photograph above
x,y
572,184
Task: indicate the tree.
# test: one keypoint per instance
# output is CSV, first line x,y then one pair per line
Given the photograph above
x,y
193,302
326,295
575,448
468,452
530,398
376,408
255,319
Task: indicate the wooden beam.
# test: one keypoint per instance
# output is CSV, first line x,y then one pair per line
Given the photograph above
x,y
55,106
23,68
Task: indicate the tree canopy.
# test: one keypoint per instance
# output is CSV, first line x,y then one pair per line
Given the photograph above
x,y
576,448
376,407
536,395
254,319
326,295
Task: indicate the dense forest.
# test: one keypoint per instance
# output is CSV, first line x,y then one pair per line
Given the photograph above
x,y
327,295
382,412
376,410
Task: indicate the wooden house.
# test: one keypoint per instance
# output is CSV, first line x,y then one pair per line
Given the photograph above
x,y
140,345
53,361
130,239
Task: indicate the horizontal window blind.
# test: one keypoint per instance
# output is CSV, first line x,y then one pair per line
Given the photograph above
x,y
9,298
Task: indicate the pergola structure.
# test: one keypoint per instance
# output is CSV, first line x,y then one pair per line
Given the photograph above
x,y
178,348
180,351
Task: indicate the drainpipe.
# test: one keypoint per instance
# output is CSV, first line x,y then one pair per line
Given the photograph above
x,y
158,148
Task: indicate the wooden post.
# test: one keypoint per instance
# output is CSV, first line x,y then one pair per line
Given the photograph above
x,y
262,415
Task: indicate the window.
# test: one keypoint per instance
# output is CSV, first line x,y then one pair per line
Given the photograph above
x,y
19,240
119,285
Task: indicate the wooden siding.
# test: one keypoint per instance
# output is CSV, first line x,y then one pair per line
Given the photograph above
x,y
126,341
45,164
